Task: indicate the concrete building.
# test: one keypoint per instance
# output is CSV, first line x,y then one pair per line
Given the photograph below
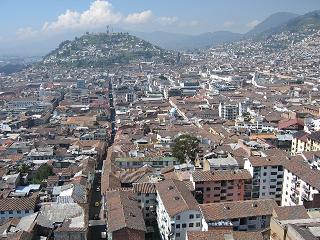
x,y
229,111
222,186
267,177
177,211
300,183
249,215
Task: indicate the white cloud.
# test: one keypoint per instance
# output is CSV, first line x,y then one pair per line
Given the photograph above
x,y
138,18
228,24
253,23
165,21
99,14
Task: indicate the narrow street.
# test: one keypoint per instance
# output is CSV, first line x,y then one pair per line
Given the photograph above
x,y
97,225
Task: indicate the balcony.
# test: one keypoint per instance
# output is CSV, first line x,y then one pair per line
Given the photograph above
x,y
294,199
305,197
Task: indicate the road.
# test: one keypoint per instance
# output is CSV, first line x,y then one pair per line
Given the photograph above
x,y
94,211
96,227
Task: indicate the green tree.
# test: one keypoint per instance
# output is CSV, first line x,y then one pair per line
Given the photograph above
x,y
185,146
24,168
43,172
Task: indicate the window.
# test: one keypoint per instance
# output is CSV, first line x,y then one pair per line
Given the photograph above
x,y
208,189
18,211
2,212
147,201
184,225
190,224
10,212
177,235
177,225
198,224
197,215
147,194
147,208
178,217
191,216
26,211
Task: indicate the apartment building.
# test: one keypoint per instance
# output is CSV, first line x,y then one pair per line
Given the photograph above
x,y
267,177
146,195
313,143
300,182
229,111
177,211
299,142
222,186
251,215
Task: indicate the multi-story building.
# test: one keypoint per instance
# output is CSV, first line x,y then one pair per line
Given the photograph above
x,y
299,142
251,215
177,211
267,177
229,111
221,186
313,143
300,182
146,195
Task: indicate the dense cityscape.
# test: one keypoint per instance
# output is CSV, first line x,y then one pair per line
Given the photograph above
x,y
112,137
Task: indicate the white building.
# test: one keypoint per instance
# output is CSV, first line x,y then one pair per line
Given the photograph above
x,y
267,177
177,211
249,215
229,111
300,184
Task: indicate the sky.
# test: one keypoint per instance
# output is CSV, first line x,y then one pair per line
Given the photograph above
x,y
26,21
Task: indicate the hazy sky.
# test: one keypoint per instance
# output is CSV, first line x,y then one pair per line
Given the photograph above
x,y
27,20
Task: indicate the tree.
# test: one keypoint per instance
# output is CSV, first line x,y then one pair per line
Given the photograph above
x,y
24,168
146,129
185,146
43,172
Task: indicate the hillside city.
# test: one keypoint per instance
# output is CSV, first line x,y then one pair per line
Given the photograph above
x,y
112,137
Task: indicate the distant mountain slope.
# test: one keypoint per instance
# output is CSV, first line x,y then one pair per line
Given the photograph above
x,y
273,21
183,41
103,50
304,23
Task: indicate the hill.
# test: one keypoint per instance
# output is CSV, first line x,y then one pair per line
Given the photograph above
x,y
309,22
273,21
104,50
